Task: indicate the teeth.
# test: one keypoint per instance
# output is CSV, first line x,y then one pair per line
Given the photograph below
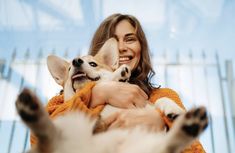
x,y
124,58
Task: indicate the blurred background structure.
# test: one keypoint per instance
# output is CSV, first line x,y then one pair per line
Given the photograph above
x,y
192,45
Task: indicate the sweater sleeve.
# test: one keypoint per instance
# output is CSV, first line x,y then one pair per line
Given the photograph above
x,y
79,102
196,146
166,92
56,106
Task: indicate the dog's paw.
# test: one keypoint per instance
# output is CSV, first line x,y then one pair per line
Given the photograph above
x,y
186,128
125,73
122,74
28,106
169,108
195,121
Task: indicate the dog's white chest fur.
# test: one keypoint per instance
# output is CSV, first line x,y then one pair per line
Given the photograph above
x,y
79,137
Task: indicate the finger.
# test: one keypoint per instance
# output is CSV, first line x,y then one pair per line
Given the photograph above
x,y
112,118
131,105
140,102
145,96
116,124
139,91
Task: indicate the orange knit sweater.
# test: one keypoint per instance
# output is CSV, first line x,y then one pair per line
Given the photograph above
x,y
56,106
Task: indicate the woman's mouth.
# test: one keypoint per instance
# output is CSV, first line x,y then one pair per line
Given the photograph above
x,y
125,59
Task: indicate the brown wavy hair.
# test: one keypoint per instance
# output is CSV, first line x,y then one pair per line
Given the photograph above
x,y
143,73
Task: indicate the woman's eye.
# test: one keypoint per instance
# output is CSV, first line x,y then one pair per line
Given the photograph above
x,y
93,64
128,40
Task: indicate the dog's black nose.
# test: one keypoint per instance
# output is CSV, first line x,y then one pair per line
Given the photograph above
x,y
77,62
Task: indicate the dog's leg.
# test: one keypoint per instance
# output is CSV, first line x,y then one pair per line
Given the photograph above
x,y
186,128
36,118
169,108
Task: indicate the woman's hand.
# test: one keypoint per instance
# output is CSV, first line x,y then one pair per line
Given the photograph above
x,y
118,94
130,118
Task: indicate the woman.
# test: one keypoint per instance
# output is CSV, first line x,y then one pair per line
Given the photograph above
x,y
134,51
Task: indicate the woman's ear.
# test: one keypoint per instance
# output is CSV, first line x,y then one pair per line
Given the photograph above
x,y
109,54
58,68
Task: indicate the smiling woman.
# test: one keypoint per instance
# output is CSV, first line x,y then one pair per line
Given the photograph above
x,y
132,45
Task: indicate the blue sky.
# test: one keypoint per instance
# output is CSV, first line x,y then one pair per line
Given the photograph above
x,y
169,24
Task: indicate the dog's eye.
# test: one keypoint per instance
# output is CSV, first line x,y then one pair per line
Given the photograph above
x,y
93,64
69,68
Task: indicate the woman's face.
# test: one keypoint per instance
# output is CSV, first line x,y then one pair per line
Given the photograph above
x,y
128,44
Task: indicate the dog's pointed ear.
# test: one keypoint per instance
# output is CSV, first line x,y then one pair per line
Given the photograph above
x,y
109,53
58,68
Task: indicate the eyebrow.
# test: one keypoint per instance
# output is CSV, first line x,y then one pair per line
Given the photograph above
x,y
129,34
126,35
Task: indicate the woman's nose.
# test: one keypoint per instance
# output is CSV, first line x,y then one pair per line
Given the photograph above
x,y
122,46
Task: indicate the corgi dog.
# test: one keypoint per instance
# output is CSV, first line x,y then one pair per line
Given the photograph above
x,y
73,132
104,66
